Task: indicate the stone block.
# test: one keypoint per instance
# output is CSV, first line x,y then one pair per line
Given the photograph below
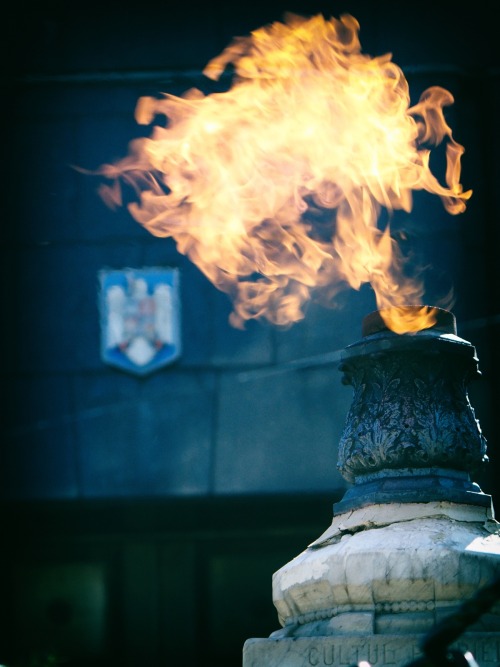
x,y
345,651
37,456
285,444
145,438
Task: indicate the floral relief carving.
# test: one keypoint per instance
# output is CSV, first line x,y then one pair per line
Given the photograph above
x,y
409,410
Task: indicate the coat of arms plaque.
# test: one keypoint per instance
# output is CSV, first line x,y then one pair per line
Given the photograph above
x,y
140,318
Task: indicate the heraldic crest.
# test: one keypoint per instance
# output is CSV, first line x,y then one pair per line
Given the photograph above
x,y
140,318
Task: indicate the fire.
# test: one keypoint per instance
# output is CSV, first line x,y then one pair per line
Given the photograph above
x,y
275,188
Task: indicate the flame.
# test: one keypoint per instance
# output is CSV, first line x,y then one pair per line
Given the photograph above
x,y
402,319
275,188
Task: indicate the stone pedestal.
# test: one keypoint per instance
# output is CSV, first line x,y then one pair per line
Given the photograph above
x,y
414,538
377,581
377,650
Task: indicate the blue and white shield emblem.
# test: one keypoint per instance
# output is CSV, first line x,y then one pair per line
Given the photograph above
x,y
140,318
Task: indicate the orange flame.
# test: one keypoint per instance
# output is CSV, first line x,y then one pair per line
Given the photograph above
x,y
274,188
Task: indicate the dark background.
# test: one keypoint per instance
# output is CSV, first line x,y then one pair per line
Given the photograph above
x,y
143,517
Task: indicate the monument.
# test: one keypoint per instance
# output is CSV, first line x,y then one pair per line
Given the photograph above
x,y
414,537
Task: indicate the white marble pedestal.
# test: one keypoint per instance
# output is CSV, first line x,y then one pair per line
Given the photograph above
x,y
377,580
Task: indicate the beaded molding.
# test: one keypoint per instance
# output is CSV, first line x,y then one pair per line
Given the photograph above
x,y
380,607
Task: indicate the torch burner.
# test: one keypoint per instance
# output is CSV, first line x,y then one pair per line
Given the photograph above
x,y
411,434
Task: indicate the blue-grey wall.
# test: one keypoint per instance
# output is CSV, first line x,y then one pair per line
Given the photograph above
x,y
142,517
75,427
